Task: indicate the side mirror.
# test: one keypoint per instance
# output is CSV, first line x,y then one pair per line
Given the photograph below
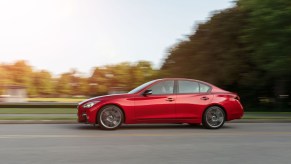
x,y
147,92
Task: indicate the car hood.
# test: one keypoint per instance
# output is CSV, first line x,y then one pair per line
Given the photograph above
x,y
105,97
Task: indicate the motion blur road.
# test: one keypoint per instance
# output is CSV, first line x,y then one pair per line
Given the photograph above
x,y
246,143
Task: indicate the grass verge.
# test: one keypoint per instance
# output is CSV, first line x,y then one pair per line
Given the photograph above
x,y
38,118
38,110
67,100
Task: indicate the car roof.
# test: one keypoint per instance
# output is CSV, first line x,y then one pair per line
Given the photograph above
x,y
184,79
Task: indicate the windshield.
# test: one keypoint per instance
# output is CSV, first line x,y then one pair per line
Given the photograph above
x,y
139,88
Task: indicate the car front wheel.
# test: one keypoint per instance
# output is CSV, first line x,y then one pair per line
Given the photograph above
x,y
110,117
213,117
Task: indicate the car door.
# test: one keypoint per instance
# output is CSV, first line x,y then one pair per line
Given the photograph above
x,y
192,98
159,106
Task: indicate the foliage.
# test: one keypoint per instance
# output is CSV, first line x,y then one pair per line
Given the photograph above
x,y
214,53
123,76
244,49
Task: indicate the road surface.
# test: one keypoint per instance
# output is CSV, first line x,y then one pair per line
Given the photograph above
x,y
245,143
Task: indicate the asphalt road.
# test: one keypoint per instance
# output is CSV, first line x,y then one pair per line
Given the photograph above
x,y
245,143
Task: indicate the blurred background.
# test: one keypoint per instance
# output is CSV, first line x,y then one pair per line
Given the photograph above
x,y
54,54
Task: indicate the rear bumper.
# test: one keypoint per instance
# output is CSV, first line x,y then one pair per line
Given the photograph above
x,y
236,116
237,112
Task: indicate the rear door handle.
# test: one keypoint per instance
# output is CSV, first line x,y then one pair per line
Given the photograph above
x,y
169,99
204,98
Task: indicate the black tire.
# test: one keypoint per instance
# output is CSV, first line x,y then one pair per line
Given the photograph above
x,y
106,121
213,117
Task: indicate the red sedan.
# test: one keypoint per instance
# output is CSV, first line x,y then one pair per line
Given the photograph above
x,y
172,100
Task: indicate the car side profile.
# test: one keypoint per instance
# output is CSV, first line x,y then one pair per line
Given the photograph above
x,y
171,100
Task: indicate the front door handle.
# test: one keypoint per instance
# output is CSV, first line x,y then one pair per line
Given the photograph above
x,y
170,99
204,98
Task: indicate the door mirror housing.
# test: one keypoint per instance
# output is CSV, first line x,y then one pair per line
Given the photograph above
x,y
147,92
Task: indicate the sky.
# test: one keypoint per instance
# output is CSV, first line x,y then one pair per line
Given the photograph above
x,y
59,35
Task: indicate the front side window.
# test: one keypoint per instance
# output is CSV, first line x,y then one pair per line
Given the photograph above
x,y
139,88
188,86
164,87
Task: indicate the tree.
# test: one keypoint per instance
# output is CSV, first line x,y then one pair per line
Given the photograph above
x,y
63,86
83,88
268,37
141,72
3,78
98,82
213,53
243,49
43,83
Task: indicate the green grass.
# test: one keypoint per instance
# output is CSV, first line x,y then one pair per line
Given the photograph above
x,y
268,118
43,111
38,110
75,118
267,112
37,118
67,100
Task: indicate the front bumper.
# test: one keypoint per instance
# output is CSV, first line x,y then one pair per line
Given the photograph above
x,y
87,115
83,118
82,115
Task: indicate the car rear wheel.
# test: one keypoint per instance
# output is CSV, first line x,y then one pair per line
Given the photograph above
x,y
213,117
110,117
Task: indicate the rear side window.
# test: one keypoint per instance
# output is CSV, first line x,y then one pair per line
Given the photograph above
x,y
204,88
188,86
185,86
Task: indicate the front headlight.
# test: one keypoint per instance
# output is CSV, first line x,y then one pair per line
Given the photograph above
x,y
90,104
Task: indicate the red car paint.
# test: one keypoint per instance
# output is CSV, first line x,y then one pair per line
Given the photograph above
x,y
165,108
